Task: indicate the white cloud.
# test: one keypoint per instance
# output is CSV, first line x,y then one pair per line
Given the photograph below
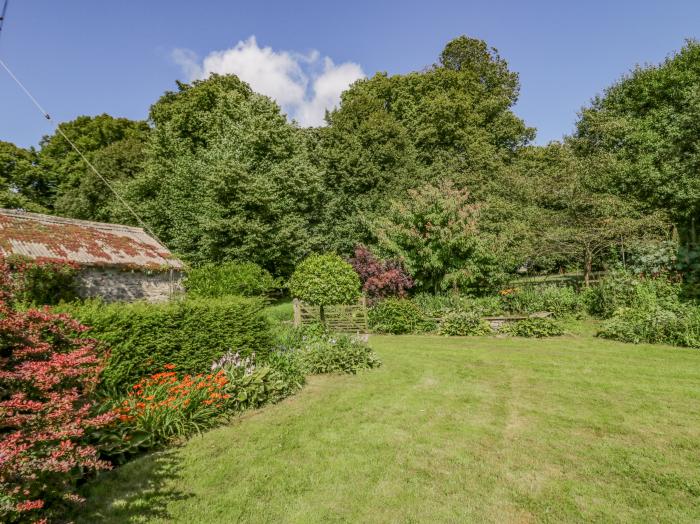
x,y
304,85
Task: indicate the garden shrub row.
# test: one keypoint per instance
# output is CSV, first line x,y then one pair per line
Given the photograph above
x,y
635,309
463,323
190,334
534,328
457,315
562,301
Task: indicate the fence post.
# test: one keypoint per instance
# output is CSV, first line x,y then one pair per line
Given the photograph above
x,y
297,312
363,301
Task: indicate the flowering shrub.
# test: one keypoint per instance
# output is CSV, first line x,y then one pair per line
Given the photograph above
x,y
252,385
163,407
47,374
380,278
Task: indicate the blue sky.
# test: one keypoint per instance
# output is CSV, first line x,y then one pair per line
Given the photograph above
x,y
89,57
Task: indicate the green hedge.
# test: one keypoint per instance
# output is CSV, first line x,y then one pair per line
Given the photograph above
x,y
230,278
190,333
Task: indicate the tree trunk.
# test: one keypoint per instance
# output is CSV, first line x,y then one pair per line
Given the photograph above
x,y
622,247
322,312
587,268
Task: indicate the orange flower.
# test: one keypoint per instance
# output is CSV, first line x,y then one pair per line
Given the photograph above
x,y
169,366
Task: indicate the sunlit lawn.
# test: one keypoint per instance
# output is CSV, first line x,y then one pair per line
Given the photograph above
x,y
448,430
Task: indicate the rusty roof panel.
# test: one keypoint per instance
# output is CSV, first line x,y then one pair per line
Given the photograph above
x,y
80,241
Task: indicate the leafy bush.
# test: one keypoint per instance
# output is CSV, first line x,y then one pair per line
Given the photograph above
x,y
437,306
252,384
397,316
47,376
534,327
560,300
463,324
189,333
317,350
43,282
162,408
653,257
380,278
653,324
620,289
230,278
338,354
289,366
324,280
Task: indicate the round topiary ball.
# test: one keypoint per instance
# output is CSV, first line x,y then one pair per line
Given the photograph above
x,y
324,280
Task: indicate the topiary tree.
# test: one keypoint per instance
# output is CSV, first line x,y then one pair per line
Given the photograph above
x,y
324,280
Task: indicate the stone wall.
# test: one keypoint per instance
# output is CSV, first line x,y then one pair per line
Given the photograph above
x,y
126,285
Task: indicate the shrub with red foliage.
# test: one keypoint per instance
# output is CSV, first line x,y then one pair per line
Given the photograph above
x,y
47,374
380,278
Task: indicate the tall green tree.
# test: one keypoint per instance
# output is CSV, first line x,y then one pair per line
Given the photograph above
x,y
453,120
228,178
581,219
650,121
115,146
22,184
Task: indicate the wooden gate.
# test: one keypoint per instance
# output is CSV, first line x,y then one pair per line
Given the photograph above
x,y
341,318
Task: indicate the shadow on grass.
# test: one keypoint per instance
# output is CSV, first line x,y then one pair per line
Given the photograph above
x,y
138,491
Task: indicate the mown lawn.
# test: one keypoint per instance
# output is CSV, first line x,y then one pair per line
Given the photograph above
x,y
448,430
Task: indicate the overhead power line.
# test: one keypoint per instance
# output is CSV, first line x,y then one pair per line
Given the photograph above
x,y
3,13
60,131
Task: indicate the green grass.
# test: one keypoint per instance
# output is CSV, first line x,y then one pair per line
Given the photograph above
x,y
281,311
449,430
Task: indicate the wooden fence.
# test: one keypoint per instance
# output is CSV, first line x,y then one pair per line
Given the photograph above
x,y
569,279
341,318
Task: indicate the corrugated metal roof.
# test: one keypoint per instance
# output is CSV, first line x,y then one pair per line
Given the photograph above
x,y
80,241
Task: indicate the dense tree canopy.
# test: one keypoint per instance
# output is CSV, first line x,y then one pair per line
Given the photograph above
x,y
113,145
22,184
650,121
432,167
435,231
227,178
391,133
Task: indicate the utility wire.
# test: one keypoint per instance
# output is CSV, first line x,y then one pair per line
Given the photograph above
x,y
4,12
47,116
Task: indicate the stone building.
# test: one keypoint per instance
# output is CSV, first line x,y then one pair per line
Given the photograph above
x,y
114,262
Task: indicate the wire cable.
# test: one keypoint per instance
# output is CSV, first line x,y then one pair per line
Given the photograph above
x,y
60,131
3,14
